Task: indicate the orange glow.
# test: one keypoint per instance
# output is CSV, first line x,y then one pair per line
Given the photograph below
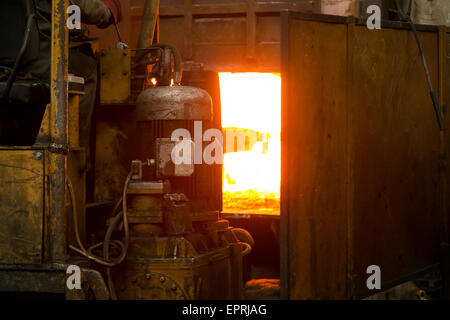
x,y
251,179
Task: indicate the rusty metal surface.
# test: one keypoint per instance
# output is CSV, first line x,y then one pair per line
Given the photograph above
x,y
145,187
33,281
149,22
115,76
235,35
73,120
173,268
56,223
51,278
114,145
360,156
174,103
21,206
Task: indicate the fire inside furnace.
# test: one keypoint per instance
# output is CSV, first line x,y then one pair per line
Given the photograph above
x,y
251,107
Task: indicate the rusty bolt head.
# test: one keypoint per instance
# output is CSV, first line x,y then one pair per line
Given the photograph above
x,y
148,276
174,287
162,279
38,155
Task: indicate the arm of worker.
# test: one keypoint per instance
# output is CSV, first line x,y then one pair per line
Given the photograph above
x,y
99,12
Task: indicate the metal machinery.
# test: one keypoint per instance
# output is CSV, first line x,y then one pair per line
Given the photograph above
x,y
179,247
165,238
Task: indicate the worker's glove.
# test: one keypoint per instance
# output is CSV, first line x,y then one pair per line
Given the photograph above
x,y
115,8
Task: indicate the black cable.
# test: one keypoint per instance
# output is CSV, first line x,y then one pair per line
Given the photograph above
x,y
117,31
12,76
434,99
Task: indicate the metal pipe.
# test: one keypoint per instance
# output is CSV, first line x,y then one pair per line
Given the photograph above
x,y
149,18
177,65
57,164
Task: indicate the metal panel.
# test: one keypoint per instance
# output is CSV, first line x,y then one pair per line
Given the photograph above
x,y
115,76
21,206
360,156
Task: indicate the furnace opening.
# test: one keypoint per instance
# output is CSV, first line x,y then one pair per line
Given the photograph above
x,y
251,121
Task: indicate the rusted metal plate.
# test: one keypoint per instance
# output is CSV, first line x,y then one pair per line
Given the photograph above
x,y
33,281
360,156
21,206
115,76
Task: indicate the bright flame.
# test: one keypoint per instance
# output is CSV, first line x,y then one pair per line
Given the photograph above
x,y
251,179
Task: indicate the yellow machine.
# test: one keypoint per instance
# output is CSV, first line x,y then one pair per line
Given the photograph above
x,y
162,237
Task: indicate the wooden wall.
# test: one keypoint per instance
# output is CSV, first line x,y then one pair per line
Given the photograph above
x,y
360,156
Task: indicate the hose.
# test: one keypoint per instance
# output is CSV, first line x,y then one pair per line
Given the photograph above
x,y
177,65
245,238
88,253
12,76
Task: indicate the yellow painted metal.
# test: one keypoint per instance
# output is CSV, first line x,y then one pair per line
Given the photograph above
x,y
56,221
186,275
33,194
21,206
115,76
73,122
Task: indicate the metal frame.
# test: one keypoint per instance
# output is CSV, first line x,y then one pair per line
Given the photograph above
x,y
50,275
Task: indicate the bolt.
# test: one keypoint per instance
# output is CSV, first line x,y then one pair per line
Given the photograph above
x,y
174,287
125,52
134,279
125,73
38,155
162,279
103,53
148,276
